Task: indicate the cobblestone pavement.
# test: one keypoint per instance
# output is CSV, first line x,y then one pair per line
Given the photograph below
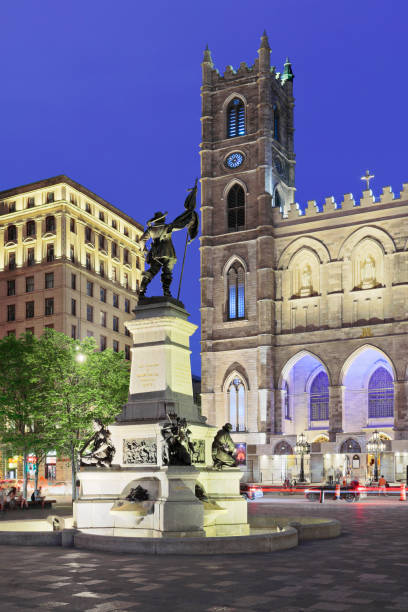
x,y
365,569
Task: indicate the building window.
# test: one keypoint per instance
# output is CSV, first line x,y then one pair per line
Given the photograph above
x,y
88,234
380,394
101,216
114,249
50,252
138,263
126,281
236,118
102,294
127,332
30,330
125,256
115,324
11,312
236,292
72,199
30,202
49,306
88,261
72,253
89,288
49,280
286,405
114,224
115,300
29,310
115,346
73,281
29,284
102,343
11,233
101,242
49,326
89,333
50,197
73,307
89,313
73,332
236,395
11,332
101,269
319,398
50,224
236,208
11,287
126,231
30,257
276,127
30,228
103,318
114,275
88,208
12,261
72,225
127,352
127,305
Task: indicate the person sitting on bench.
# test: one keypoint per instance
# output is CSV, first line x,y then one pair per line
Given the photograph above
x,y
37,497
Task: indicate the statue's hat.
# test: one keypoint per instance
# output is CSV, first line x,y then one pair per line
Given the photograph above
x,y
158,216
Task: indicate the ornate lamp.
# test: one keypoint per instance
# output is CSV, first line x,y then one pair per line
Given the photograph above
x,y
302,448
375,446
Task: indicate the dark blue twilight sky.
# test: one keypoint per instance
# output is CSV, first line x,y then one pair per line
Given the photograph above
x,y
108,92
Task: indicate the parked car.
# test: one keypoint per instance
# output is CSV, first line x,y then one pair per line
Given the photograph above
x,y
250,490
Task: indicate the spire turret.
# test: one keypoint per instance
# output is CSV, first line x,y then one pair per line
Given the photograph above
x,y
287,74
207,56
265,41
264,53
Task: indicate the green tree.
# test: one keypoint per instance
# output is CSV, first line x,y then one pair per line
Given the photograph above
x,y
86,385
24,417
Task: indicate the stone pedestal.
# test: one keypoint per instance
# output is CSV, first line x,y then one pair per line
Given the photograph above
x,y
160,383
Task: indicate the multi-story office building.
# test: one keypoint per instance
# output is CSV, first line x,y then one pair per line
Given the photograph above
x,y
68,260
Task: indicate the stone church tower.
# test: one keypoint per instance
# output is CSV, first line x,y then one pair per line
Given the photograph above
x,y
304,315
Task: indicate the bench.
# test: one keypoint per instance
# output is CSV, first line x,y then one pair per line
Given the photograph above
x,y
46,503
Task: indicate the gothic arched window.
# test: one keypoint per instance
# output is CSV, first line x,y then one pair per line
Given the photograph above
x,y
276,126
350,446
286,405
236,118
236,208
236,291
278,201
319,398
236,397
380,394
283,448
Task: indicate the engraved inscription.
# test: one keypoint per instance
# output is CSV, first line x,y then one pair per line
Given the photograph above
x,y
147,375
140,451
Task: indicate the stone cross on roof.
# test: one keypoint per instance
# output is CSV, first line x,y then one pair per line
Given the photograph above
x,y
367,177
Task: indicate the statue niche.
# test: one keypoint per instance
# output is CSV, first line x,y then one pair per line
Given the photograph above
x,y
306,284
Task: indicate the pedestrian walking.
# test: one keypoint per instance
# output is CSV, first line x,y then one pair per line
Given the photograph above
x,y
382,483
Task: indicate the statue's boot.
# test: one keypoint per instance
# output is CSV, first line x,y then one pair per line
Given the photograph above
x,y
166,279
143,285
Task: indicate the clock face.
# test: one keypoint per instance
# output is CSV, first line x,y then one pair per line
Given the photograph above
x,y
234,160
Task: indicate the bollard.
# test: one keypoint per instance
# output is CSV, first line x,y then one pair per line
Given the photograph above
x,y
337,492
403,492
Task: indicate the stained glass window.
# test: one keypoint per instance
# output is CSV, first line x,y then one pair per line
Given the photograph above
x,y
236,394
236,208
286,400
319,398
236,292
236,118
380,394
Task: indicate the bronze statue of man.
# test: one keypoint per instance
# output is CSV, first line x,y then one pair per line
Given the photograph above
x,y
223,448
162,254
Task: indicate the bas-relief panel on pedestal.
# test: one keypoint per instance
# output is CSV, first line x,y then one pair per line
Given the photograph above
x,y
140,451
198,454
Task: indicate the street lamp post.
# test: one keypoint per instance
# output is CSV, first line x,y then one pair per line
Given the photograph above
x,y
375,446
302,448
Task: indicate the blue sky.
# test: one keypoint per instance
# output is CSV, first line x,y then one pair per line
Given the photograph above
x,y
108,92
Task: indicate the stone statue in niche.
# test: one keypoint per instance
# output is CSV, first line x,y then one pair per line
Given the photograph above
x,y
223,448
140,451
100,448
178,447
306,286
368,273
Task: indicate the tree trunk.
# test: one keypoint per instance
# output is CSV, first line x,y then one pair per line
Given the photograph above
x,y
25,474
73,472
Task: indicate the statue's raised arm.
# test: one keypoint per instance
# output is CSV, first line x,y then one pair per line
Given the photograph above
x,y
161,255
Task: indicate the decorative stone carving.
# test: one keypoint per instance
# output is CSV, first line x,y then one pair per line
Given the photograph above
x,y
140,450
198,452
306,286
368,273
99,446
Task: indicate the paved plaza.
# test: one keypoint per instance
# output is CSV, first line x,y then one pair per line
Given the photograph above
x,y
365,569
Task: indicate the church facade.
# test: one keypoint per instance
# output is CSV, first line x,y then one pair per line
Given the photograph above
x,y
304,313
